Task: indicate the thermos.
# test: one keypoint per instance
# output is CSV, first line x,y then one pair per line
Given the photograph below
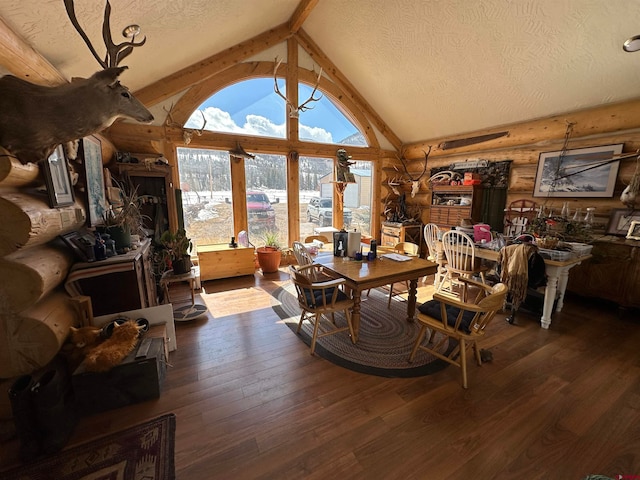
x,y
373,247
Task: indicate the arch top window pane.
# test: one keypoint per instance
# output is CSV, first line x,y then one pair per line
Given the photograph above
x,y
251,107
323,122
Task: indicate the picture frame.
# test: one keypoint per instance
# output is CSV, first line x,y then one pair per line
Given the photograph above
x,y
81,244
583,172
634,231
58,179
90,150
620,221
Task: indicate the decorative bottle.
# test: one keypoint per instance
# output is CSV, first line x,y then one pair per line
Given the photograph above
x,y
577,216
588,218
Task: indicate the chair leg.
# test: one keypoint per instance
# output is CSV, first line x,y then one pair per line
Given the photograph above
x,y
421,333
476,351
316,325
347,314
300,323
390,295
463,362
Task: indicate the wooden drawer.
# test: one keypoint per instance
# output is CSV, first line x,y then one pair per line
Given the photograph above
x,y
221,261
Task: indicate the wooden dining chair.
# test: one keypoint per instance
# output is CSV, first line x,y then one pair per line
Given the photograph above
x,y
320,300
459,251
432,235
303,257
518,216
403,248
464,322
320,238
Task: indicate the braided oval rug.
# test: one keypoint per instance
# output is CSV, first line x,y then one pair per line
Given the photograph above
x,y
385,340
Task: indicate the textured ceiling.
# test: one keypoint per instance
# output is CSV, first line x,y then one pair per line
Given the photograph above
x,y
429,68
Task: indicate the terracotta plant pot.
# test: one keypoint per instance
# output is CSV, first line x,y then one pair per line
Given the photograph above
x,y
268,259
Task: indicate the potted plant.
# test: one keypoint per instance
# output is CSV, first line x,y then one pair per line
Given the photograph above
x,y
176,252
125,218
269,255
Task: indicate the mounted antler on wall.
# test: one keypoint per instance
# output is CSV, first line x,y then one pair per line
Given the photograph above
x,y
294,112
415,182
187,133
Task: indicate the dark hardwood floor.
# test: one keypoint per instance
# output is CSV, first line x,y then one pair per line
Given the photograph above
x,y
252,403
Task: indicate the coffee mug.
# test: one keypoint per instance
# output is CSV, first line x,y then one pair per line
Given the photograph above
x,y
371,256
358,255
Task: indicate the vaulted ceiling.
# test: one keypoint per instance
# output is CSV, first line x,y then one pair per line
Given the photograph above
x,y
428,68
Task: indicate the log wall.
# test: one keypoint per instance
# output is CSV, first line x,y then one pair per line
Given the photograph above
x,y
604,128
35,311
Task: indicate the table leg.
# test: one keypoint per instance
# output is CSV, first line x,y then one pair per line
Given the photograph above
x,y
562,287
355,312
411,301
549,297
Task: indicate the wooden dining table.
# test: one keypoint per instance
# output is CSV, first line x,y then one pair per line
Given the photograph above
x,y
361,275
557,277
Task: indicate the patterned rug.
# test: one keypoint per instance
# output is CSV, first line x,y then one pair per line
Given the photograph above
x,y
384,343
145,451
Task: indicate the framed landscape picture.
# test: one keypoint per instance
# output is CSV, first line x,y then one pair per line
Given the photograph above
x,y
91,150
58,179
583,172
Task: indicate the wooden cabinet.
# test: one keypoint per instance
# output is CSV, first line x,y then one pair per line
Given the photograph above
x,y
221,261
450,204
613,272
154,184
393,233
117,284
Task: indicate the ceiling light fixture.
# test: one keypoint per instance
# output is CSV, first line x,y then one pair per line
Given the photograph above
x,y
131,31
632,44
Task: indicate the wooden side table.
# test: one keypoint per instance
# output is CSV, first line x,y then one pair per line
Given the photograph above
x,y
169,277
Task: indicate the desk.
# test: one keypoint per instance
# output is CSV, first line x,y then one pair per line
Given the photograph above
x,y
363,275
557,278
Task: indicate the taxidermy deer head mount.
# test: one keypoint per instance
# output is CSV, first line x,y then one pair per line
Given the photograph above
x,y
35,119
294,112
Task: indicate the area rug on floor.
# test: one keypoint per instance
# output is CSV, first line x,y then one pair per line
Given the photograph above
x,y
384,343
145,451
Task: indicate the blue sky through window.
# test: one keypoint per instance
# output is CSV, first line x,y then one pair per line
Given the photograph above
x,y
251,107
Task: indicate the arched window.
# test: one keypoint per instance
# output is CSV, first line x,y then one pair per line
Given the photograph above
x,y
251,107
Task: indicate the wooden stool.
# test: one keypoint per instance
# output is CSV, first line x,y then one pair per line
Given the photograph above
x,y
169,277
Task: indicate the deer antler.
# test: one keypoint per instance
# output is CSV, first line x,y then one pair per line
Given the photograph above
x,y
294,112
115,53
169,122
187,133
415,182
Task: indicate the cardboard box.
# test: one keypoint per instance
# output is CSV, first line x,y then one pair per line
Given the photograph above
x,y
133,380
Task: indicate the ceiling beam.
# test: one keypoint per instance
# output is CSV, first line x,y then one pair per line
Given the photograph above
x,y
303,10
175,83
19,58
345,85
